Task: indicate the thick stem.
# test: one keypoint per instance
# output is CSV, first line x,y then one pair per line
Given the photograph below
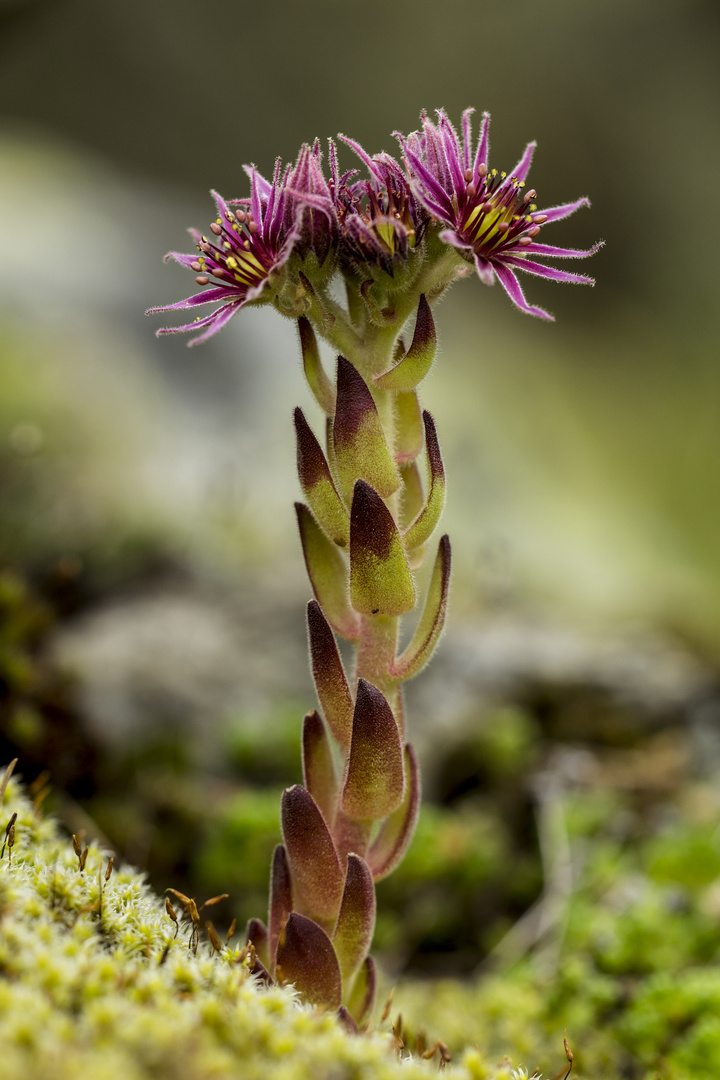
x,y
376,648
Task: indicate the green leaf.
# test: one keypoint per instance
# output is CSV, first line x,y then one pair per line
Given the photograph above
x,y
317,484
306,958
361,998
412,498
329,676
380,578
257,933
432,620
323,390
281,902
419,358
328,573
317,877
318,769
356,921
425,523
375,779
361,449
408,426
391,843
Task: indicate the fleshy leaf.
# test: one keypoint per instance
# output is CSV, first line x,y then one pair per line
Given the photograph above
x,y
319,383
317,484
318,769
408,426
281,903
374,782
412,498
432,620
346,1019
380,578
356,921
306,958
361,449
418,360
361,998
317,877
257,933
395,835
424,524
328,574
330,682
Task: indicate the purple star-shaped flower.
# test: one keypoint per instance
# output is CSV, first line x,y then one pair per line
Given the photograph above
x,y
252,240
379,219
489,217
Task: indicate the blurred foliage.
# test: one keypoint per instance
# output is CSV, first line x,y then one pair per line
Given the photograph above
x,y
628,963
616,940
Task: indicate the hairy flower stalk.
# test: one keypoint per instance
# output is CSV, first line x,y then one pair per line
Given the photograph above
x,y
373,484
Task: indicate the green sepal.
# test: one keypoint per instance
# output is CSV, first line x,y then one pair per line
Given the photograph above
x,y
322,389
317,484
317,877
329,675
408,426
375,777
424,524
328,573
361,449
281,902
419,358
356,921
380,578
432,620
361,998
306,958
317,764
391,843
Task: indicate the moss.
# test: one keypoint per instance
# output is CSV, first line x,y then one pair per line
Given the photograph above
x,y
95,982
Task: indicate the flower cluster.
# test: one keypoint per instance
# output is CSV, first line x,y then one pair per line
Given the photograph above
x,y
283,243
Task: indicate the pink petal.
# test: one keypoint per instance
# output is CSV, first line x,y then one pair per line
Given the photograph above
x,y
523,166
557,213
511,285
562,253
547,271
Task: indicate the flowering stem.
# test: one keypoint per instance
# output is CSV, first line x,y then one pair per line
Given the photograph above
x,y
398,239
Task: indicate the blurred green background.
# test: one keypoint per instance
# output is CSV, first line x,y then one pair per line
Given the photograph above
x,y
152,648
587,455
